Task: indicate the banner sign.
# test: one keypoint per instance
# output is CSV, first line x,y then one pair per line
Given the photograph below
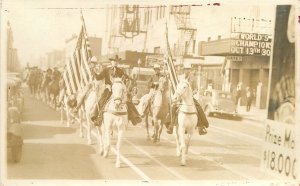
x,y
251,44
279,155
234,58
154,59
279,148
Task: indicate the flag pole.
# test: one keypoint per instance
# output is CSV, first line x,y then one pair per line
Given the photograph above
x,y
86,35
170,83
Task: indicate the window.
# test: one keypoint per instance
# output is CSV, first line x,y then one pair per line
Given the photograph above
x,y
157,11
156,50
148,16
194,44
160,12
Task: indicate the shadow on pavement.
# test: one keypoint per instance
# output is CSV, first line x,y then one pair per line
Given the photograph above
x,y
55,161
40,131
36,110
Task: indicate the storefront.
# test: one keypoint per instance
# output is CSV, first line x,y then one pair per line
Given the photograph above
x,y
132,58
247,61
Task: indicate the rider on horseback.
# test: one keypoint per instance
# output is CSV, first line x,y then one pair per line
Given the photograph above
x,y
202,123
107,73
153,82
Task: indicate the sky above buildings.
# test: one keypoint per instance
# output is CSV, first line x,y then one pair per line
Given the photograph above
x,y
41,27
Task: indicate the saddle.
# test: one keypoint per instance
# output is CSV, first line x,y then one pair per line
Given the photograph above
x,y
122,110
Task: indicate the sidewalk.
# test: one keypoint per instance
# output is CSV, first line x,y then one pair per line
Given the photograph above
x,y
255,114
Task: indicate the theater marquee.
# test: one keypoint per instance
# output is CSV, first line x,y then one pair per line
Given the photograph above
x,y
251,44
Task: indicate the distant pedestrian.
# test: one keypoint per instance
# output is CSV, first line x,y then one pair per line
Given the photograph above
x,y
249,96
238,95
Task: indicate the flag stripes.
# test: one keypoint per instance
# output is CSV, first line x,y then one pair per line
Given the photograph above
x,y
170,64
66,80
74,73
71,79
77,73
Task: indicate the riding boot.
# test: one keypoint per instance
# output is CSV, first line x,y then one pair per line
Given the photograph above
x,y
202,123
97,111
133,114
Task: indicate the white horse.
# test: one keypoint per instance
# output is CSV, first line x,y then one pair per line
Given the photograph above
x,y
115,116
90,94
187,118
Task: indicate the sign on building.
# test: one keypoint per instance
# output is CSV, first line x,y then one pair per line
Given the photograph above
x,y
279,155
154,59
130,23
251,44
235,58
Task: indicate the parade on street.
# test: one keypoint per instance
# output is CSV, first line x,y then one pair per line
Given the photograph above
x,y
150,92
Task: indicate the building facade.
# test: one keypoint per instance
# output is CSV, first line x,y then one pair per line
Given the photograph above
x,y
13,63
247,61
143,30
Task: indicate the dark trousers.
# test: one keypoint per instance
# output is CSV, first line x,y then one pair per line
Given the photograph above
x,y
97,113
249,102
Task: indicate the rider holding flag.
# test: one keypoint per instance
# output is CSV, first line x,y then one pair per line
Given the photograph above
x,y
107,74
202,123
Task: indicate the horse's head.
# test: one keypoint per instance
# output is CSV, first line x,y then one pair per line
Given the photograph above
x,y
182,90
118,91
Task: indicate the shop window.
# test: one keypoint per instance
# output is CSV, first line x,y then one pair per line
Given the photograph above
x,y
194,44
156,50
160,12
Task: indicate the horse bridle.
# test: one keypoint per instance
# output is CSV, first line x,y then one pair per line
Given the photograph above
x,y
181,92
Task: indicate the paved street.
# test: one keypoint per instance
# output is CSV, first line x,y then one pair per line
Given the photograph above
x,y
230,151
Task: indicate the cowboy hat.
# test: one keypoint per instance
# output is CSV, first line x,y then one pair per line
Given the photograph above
x,y
116,58
156,66
187,66
94,59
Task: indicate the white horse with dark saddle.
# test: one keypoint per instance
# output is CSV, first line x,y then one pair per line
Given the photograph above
x,y
187,118
115,116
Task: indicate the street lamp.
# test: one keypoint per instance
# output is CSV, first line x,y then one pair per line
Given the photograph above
x,y
139,64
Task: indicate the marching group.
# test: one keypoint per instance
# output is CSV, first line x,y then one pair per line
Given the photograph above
x,y
49,86
46,85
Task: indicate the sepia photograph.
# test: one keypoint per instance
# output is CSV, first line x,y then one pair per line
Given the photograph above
x,y
150,92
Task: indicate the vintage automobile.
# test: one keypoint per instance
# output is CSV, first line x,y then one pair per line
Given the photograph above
x,y
218,103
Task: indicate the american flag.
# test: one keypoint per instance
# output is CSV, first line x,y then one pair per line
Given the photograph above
x,y
170,65
77,73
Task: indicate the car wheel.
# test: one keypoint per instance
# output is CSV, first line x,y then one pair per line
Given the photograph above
x,y
207,111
